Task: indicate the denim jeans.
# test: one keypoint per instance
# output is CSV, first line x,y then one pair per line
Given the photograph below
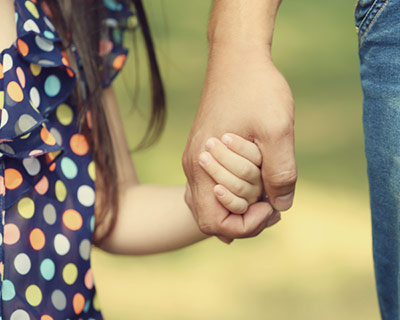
x,y
378,25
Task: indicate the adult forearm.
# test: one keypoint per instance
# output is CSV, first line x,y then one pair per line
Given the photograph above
x,y
243,22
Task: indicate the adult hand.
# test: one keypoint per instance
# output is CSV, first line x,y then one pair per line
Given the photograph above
x,y
244,94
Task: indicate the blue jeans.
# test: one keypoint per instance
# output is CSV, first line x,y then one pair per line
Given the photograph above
x,y
378,23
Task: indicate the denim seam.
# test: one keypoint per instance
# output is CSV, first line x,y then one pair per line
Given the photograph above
x,y
371,15
368,14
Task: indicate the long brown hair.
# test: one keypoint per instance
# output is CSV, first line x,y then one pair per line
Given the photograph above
x,y
80,22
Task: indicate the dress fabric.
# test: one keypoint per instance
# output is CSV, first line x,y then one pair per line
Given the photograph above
x,y
47,173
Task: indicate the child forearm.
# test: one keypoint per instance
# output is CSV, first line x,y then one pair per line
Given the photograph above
x,y
152,219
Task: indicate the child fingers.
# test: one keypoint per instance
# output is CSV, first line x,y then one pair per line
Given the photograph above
x,y
222,176
230,201
233,162
243,147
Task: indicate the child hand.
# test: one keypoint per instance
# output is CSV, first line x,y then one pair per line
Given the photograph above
x,y
233,162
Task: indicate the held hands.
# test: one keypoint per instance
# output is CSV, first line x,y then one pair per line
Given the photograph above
x,y
244,94
233,163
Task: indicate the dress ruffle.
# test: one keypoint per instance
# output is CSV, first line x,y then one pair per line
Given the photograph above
x,y
37,63
118,19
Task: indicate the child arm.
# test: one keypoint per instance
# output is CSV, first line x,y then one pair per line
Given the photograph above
x,y
152,219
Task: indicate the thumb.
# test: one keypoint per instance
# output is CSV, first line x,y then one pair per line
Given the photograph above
x,y
279,170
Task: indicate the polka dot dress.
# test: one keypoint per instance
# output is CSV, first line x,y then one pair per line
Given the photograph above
x,y
47,174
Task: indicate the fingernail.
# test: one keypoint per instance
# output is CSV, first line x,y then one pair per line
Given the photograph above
x,y
204,158
226,139
210,144
219,192
284,202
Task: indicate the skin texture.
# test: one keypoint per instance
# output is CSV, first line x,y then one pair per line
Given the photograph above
x,y
244,94
145,226
7,24
235,170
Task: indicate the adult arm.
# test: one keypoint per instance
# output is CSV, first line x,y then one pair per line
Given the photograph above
x,y
245,94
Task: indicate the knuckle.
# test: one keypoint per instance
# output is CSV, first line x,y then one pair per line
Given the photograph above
x,y
241,207
246,171
280,128
239,188
206,228
282,179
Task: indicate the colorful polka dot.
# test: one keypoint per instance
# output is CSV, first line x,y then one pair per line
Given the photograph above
x,y
78,302
70,273
72,219
47,269
32,9
49,214
11,234
56,134
92,170
4,116
42,186
44,44
58,300
34,97
7,63
33,295
84,249
37,239
79,145
64,114
22,263
61,191
52,86
69,168
1,99
31,25
119,62
26,207
20,314
12,178
35,69
89,279
47,137
61,244
7,290
48,184
14,91
31,165
23,47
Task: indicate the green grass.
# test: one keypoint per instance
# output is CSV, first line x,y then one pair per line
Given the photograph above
x,y
316,264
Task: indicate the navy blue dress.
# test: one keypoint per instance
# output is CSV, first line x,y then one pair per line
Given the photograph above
x,y
47,173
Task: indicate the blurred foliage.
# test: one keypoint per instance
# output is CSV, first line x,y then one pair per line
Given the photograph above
x,y
316,263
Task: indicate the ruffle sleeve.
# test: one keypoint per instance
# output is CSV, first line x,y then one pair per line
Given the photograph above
x,y
34,79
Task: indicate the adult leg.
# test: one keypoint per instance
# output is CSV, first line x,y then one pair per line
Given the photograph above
x,y
378,24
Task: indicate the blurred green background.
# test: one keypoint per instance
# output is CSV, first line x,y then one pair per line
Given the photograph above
x,y
317,262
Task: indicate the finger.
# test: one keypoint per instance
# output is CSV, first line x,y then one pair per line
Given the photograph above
x,y
225,239
230,201
274,219
279,171
248,224
233,162
243,147
222,176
